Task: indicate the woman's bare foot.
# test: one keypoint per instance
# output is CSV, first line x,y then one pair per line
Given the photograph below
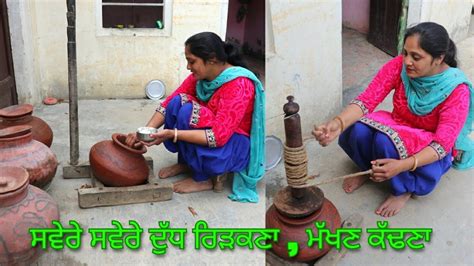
x,y
173,170
352,183
392,205
188,185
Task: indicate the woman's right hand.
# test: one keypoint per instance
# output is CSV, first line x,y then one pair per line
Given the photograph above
x,y
132,140
327,132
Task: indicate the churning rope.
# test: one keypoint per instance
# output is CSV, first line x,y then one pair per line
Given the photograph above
x,y
296,166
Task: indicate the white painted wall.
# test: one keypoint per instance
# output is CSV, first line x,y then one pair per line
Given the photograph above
x,y
22,43
303,59
107,66
454,15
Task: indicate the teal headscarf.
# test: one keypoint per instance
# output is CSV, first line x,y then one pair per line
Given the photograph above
x,y
425,93
244,187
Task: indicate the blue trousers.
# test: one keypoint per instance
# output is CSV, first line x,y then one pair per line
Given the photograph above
x,y
364,144
205,162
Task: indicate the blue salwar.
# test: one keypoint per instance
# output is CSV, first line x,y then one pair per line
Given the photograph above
x,y
205,162
364,144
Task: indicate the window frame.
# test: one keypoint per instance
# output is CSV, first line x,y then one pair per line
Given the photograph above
x,y
165,32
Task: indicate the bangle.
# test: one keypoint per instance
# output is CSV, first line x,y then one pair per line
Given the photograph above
x,y
338,118
175,139
415,164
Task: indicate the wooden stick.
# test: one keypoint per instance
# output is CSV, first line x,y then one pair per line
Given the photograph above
x,y
72,82
333,179
330,180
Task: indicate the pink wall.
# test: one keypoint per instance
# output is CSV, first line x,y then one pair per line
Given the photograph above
x,y
251,30
355,14
235,31
255,26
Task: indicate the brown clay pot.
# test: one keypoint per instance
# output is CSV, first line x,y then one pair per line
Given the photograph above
x,y
22,115
22,206
294,229
115,164
18,148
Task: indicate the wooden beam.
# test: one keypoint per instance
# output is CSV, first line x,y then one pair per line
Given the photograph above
x,y
111,196
76,171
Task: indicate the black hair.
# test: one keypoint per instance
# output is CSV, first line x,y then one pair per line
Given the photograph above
x,y
434,39
208,45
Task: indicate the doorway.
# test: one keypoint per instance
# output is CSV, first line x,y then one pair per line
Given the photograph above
x,y
8,95
361,59
246,28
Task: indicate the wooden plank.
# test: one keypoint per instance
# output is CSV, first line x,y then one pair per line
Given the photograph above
x,y
105,196
334,255
111,196
151,175
149,161
83,170
94,181
77,171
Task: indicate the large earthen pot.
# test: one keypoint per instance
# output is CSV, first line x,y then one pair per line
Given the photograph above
x,y
22,115
18,148
294,229
22,207
115,164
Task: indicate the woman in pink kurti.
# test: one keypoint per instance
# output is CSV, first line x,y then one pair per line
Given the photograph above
x,y
414,145
214,121
410,133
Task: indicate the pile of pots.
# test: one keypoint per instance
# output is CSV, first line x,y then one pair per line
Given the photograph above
x,y
25,142
22,206
27,165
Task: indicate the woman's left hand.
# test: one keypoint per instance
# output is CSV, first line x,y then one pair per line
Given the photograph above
x,y
384,169
159,137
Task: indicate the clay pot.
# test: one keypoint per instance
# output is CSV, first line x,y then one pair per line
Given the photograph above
x,y
22,115
294,229
22,207
18,148
115,164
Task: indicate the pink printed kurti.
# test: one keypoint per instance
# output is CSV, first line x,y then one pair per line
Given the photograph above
x,y
409,132
228,111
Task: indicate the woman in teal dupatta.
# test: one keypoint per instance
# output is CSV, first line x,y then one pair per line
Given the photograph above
x,y
428,130
215,121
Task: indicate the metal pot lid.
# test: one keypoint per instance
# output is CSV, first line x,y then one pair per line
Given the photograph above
x,y
17,110
273,151
15,131
12,178
155,89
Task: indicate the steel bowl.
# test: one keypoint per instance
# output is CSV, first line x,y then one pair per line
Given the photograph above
x,y
143,133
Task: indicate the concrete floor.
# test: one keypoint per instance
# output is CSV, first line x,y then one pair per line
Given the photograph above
x,y
98,120
448,210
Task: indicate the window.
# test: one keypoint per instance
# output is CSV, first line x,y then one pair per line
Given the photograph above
x,y
134,17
